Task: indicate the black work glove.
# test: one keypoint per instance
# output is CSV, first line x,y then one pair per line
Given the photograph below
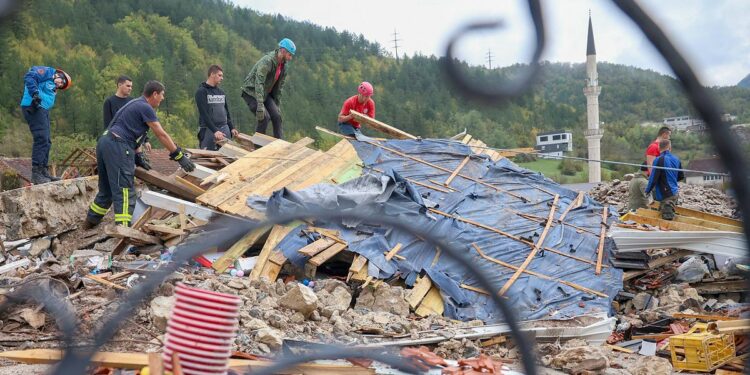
x,y
142,161
36,101
185,163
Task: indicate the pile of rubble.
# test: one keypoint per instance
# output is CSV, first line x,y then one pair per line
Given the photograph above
x,y
319,281
695,197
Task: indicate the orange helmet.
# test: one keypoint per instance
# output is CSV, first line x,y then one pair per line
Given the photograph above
x,y
68,82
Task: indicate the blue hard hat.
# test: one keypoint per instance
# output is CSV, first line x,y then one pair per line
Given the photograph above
x,y
288,45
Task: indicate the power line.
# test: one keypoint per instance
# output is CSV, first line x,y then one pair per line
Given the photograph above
x,y
489,58
594,160
395,43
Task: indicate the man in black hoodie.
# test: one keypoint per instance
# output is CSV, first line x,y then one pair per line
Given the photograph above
x,y
215,123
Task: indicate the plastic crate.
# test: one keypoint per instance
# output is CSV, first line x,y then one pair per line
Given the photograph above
x,y
701,350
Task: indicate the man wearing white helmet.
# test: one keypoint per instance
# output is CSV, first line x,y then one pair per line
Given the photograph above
x,y
362,103
264,84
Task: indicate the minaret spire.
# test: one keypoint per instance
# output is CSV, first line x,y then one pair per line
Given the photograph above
x,y
592,90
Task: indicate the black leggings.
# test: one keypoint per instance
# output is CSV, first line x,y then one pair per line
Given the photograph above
x,y
272,114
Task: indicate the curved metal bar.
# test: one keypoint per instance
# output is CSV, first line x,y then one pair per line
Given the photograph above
x,y
76,362
494,95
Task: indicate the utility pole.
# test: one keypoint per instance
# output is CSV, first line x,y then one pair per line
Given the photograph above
x,y
395,43
489,58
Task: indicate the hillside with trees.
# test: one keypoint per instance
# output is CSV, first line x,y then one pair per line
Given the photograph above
x,y
175,41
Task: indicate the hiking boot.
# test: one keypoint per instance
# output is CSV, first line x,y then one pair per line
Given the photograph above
x,y
45,170
37,175
88,224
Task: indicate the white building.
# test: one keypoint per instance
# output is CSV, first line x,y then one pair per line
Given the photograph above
x,y
554,143
682,123
707,165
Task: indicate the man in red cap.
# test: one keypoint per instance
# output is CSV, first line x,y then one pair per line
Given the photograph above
x,y
362,103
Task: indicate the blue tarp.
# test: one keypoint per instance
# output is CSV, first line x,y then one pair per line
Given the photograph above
x,y
387,189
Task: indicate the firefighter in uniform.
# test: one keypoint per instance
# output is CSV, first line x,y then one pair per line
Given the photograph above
x,y
118,153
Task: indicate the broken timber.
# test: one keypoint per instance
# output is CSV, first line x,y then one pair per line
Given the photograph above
x,y
119,231
239,248
600,248
381,126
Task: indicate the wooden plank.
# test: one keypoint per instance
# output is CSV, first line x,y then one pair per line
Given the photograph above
x,y
165,182
600,248
316,247
493,341
534,250
163,229
239,248
232,151
155,364
393,252
539,275
171,204
305,141
704,317
105,282
278,232
574,204
326,254
691,221
456,171
663,224
136,361
419,291
381,126
432,304
358,263
474,289
144,218
119,231
195,189
683,211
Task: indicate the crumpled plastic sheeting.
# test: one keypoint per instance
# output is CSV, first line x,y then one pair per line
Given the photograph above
x,y
390,193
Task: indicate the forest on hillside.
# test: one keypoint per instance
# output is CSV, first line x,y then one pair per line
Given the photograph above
x,y
175,41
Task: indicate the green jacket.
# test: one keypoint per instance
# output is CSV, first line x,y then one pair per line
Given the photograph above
x,y
259,82
637,197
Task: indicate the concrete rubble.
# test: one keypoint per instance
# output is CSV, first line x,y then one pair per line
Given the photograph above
x,y
296,308
695,197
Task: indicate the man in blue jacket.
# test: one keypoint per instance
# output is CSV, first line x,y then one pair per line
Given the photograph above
x,y
664,181
40,88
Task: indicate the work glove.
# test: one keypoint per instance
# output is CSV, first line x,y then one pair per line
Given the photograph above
x,y
185,163
260,113
36,101
142,161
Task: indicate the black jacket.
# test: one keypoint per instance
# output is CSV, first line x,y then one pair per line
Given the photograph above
x,y
213,110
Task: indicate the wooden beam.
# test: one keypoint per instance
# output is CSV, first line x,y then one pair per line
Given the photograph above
x,y
358,263
106,282
702,215
161,228
136,361
144,218
419,291
537,274
704,317
239,248
456,171
418,160
278,232
432,304
393,252
172,204
534,250
663,224
200,172
600,248
326,254
233,151
119,231
513,237
574,204
381,126
312,249
195,189
711,225
165,182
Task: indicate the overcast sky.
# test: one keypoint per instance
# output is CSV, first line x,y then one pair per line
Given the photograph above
x,y
714,34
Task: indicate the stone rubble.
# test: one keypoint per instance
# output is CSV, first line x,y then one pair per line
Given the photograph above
x,y
695,197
